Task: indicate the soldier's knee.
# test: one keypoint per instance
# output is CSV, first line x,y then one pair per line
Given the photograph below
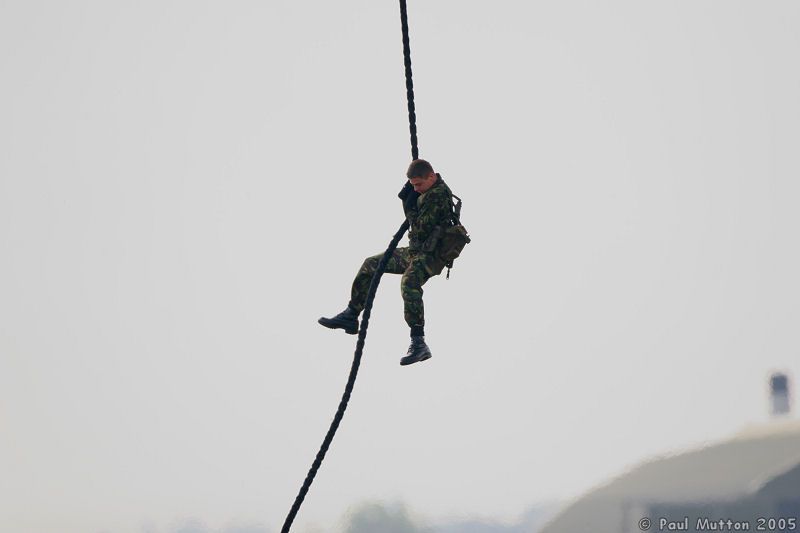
x,y
370,265
414,277
410,287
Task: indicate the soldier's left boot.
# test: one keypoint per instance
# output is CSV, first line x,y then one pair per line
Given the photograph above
x,y
418,351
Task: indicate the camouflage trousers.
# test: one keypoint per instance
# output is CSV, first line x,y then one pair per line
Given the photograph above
x,y
416,268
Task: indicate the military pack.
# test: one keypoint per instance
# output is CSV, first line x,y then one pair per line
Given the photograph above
x,y
454,238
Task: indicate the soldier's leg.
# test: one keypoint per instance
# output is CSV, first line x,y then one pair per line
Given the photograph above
x,y
397,264
414,278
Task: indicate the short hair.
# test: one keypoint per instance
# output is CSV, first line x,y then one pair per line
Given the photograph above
x,y
418,168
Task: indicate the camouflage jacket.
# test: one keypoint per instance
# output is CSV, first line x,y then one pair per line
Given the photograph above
x,y
426,212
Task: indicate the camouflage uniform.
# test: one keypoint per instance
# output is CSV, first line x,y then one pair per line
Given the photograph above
x,y
417,263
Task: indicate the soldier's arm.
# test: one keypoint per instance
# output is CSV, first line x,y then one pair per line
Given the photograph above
x,y
433,212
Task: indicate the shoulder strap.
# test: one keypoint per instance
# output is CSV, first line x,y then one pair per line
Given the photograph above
x,y
456,216
457,210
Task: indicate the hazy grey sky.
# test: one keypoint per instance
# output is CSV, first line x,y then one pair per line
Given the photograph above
x,y
185,187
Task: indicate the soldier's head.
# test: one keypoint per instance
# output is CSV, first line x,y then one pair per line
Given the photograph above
x,y
421,175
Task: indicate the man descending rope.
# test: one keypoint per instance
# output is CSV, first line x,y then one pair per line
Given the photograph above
x,y
428,205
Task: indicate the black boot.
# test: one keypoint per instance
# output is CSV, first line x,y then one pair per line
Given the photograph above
x,y
418,351
346,320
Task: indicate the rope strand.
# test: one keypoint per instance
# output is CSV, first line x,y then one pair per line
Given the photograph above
x,y
373,288
362,335
412,115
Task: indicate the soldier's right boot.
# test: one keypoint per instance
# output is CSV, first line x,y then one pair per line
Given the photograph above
x,y
346,320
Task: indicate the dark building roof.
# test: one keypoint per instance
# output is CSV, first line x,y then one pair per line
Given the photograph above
x,y
742,466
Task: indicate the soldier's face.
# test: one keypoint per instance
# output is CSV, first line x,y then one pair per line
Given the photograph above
x,y
423,183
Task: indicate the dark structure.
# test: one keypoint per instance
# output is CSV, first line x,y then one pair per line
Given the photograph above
x,y
754,474
750,482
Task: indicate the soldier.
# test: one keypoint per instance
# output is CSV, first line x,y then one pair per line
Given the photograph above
x,y
427,202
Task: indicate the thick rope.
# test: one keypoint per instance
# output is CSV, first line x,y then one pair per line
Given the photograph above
x,y
373,288
412,115
362,335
